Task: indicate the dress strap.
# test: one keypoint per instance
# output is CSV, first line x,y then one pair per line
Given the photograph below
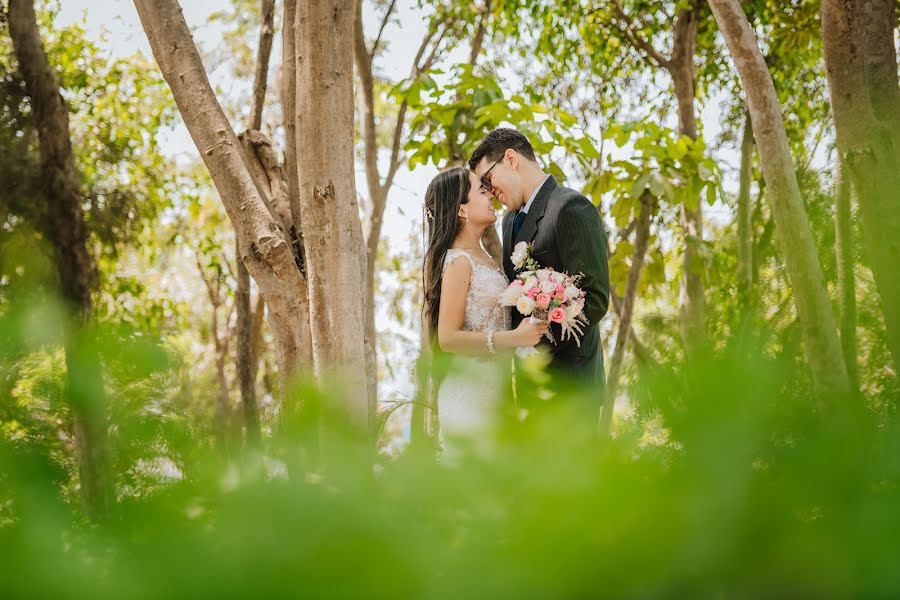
x,y
454,253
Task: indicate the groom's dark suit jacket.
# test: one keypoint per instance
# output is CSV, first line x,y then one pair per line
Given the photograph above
x,y
568,235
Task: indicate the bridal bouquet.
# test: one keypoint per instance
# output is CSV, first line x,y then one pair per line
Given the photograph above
x,y
545,296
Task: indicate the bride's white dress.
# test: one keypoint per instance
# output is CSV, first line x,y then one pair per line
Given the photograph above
x,y
468,398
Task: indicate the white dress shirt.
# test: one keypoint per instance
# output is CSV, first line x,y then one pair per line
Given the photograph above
x,y
534,194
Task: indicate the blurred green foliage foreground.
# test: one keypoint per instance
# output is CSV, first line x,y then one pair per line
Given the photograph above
x,y
748,488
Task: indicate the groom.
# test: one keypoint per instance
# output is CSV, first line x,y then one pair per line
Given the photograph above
x,y
567,234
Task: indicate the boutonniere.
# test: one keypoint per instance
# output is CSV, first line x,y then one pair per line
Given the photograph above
x,y
522,257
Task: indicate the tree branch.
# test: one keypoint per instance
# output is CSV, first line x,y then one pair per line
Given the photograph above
x,y
367,95
384,23
266,33
433,56
395,161
432,30
478,40
651,56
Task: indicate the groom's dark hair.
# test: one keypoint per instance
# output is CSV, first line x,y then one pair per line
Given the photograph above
x,y
497,142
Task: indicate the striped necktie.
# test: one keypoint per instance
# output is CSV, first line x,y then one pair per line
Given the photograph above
x,y
517,224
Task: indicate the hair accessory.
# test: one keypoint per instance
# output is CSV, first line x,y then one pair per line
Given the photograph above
x,y
428,212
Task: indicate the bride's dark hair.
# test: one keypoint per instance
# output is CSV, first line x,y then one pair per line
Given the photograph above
x,y
444,195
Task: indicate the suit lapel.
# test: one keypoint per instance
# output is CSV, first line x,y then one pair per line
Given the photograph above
x,y
536,211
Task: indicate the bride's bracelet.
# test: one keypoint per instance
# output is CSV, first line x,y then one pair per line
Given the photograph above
x,y
490,341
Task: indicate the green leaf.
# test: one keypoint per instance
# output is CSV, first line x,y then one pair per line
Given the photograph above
x,y
587,148
639,186
681,147
691,197
621,210
567,119
428,82
657,185
556,171
710,194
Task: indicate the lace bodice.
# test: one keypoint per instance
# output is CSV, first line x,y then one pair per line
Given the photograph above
x,y
483,309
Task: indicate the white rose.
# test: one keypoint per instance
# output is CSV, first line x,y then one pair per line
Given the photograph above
x,y
572,292
520,253
572,311
530,282
525,305
511,294
548,287
557,276
543,275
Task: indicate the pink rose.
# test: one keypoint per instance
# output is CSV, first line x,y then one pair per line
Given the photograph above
x,y
557,315
542,301
559,296
560,289
533,292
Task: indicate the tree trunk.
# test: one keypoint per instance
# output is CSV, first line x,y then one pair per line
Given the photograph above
x,y
298,347
266,248
641,241
244,356
378,189
256,337
224,420
332,236
745,231
861,65
681,68
64,227
641,352
225,424
288,106
846,281
377,199
823,349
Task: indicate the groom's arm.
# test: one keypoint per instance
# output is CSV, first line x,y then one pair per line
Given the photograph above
x,y
581,245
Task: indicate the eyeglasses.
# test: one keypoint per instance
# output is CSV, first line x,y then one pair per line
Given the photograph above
x,y
485,182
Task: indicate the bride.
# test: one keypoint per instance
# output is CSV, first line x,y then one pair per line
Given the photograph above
x,y
462,308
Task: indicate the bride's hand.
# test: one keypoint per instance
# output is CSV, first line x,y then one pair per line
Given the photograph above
x,y
528,333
